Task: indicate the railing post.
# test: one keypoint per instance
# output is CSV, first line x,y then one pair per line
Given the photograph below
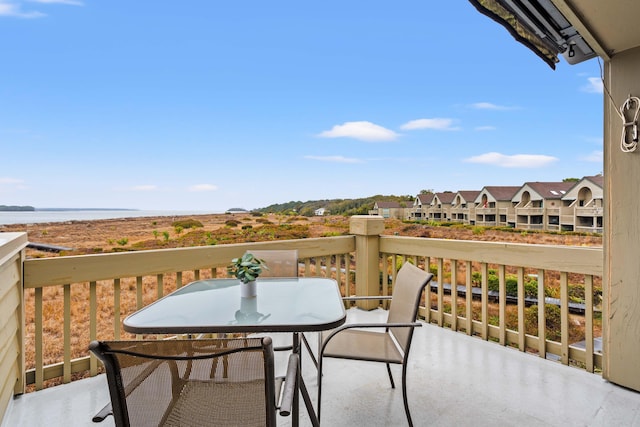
x,y
367,230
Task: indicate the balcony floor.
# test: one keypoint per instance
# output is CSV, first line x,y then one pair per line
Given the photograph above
x,y
453,380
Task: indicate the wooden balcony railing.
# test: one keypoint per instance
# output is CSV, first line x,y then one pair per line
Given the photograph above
x,y
95,292
472,261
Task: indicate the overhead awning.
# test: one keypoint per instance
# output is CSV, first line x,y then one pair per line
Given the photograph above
x,y
540,26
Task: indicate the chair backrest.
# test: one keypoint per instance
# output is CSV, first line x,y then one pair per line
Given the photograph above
x,y
405,301
190,382
280,263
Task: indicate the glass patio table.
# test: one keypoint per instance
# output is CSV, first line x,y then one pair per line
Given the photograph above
x,y
294,305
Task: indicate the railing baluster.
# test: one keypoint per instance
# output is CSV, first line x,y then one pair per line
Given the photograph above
x,y
469,297
485,301
385,277
588,322
116,309
39,337
93,324
564,317
440,264
542,313
522,336
454,295
66,334
160,285
139,302
427,298
502,304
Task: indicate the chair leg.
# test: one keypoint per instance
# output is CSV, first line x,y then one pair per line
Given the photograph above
x,y
404,394
319,386
393,385
103,413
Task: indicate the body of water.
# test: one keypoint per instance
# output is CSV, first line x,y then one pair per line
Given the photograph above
x,y
33,217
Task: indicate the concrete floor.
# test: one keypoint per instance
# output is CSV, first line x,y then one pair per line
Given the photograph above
x,y
454,380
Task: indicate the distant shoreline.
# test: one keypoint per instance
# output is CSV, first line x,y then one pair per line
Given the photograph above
x,y
81,209
60,215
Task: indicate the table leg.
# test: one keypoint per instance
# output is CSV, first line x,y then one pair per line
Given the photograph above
x,y
302,388
296,397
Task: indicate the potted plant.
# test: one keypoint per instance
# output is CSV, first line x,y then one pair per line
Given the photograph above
x,y
247,269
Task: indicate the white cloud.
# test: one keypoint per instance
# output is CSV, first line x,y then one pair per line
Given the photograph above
x,y
144,188
335,159
10,181
69,2
484,128
12,9
594,156
489,106
203,187
514,161
594,85
364,131
436,124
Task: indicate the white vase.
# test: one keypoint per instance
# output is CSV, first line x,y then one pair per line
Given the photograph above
x,y
248,290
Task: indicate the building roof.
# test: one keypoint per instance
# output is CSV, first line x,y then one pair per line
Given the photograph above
x,y
501,193
468,195
425,198
550,190
596,179
445,197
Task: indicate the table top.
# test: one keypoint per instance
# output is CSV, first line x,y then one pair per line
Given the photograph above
x,y
209,306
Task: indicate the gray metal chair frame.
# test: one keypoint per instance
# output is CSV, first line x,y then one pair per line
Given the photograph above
x,y
179,382
350,341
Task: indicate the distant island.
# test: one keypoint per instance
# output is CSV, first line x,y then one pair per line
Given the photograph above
x,y
6,208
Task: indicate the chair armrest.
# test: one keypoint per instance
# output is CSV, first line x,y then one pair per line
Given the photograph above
x,y
289,385
363,297
366,325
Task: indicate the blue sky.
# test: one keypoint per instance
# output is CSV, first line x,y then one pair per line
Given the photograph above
x,y
208,105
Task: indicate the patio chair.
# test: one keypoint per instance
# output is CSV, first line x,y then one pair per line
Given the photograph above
x,y
280,263
202,382
391,345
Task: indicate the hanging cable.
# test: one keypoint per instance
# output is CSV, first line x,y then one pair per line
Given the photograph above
x,y
629,138
629,128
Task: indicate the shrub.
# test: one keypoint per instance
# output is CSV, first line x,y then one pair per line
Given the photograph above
x,y
187,223
511,284
552,321
477,230
122,241
232,223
